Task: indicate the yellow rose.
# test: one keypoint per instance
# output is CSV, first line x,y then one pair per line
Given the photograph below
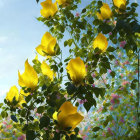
x,y
48,8
100,42
47,46
76,69
29,78
13,93
106,12
121,4
60,2
46,70
67,116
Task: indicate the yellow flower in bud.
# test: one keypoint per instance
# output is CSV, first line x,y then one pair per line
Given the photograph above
x,y
76,69
99,16
29,78
46,70
21,101
47,46
106,12
121,4
100,42
13,93
48,8
68,116
60,2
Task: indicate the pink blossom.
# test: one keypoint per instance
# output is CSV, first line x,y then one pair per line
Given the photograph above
x,y
127,62
125,82
21,137
77,15
4,123
84,137
121,88
114,98
57,130
109,71
122,120
100,109
103,134
116,62
109,131
122,44
93,75
8,126
110,33
93,85
115,22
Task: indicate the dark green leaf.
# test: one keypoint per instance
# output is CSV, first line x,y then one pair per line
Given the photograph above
x,y
95,129
44,122
13,117
40,109
30,135
71,89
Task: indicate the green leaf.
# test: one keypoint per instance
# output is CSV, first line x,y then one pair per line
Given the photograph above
x,y
112,74
99,91
40,109
1,104
110,49
30,135
95,129
71,89
4,114
90,101
84,10
44,122
13,117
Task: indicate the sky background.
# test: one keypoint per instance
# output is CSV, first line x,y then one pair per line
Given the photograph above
x,y
20,34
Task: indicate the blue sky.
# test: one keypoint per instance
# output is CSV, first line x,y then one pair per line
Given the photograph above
x,y
20,33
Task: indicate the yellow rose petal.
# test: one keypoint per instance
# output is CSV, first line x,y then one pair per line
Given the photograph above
x,y
29,78
39,49
68,116
48,8
47,46
55,115
21,101
13,92
46,70
72,120
106,11
76,69
121,4
100,42
99,16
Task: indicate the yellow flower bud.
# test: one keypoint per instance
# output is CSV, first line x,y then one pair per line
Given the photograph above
x,y
46,70
100,42
106,12
68,116
121,4
76,69
29,78
48,8
47,46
